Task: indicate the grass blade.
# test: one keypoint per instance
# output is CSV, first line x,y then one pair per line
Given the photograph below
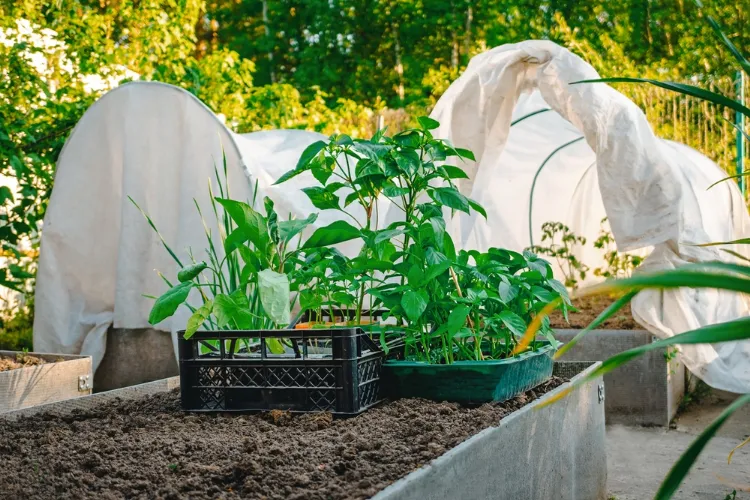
x,y
153,226
604,316
682,88
741,241
725,40
736,176
723,332
681,468
738,255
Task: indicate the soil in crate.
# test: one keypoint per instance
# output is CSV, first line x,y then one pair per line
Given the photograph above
x,y
589,308
19,361
148,448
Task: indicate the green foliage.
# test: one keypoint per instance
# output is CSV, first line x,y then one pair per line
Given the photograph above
x,y
446,305
618,265
561,245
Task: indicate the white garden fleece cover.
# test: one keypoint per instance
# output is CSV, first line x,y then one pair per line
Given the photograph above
x,y
158,144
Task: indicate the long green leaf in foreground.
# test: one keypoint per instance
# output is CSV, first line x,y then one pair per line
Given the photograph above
x,y
726,41
682,88
720,275
723,332
681,468
735,176
604,316
741,241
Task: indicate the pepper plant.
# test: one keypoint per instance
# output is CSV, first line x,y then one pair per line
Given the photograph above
x,y
447,305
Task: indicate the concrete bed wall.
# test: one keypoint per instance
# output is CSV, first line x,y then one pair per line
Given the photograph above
x,y
646,391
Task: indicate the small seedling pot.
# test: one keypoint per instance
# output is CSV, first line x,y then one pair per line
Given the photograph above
x,y
469,382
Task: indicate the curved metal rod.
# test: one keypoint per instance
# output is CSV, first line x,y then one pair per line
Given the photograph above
x,y
536,176
518,120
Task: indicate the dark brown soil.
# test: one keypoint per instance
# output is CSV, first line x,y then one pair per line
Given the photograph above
x,y
589,308
148,448
21,360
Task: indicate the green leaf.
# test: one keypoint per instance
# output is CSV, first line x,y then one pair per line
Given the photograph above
x,y
428,123
450,197
190,272
414,304
736,176
332,234
682,88
741,241
308,154
436,270
198,318
513,322
388,234
457,318
275,295
681,468
408,161
478,208
507,292
251,223
465,153
433,257
5,194
454,172
166,305
291,228
233,310
288,175
321,198
727,42
393,191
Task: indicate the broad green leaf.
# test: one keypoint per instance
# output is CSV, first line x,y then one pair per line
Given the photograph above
x,y
457,318
166,305
680,469
477,208
252,224
388,234
513,322
288,175
438,230
198,318
5,194
308,154
428,123
454,172
190,272
433,257
560,289
393,191
275,295
321,198
233,310
507,292
408,161
450,197
291,228
414,304
436,270
332,234
465,153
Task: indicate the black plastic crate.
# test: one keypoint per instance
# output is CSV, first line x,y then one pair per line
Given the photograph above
x,y
335,370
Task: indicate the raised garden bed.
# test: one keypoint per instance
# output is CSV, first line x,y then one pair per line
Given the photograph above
x,y
646,391
29,379
145,446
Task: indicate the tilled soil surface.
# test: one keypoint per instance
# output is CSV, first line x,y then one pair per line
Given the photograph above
x,y
589,308
147,448
19,361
